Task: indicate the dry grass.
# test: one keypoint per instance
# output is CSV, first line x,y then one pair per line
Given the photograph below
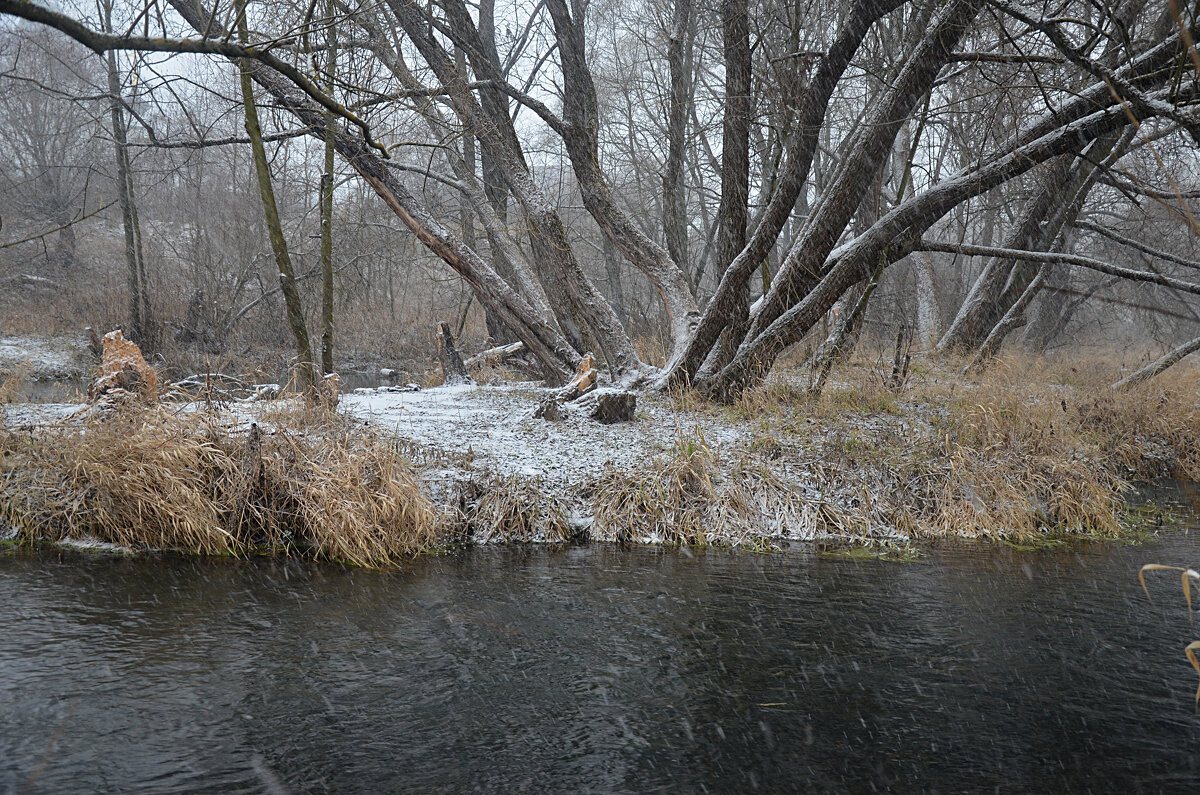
x,y
517,510
1032,449
12,382
162,481
668,503
694,497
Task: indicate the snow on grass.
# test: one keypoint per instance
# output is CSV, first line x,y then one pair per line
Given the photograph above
x,y
495,428
48,357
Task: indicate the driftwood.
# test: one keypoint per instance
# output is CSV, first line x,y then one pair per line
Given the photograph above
x,y
453,370
499,353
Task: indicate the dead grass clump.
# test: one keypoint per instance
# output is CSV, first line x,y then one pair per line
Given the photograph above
x,y
13,381
155,480
1152,429
517,510
695,497
1024,498
666,503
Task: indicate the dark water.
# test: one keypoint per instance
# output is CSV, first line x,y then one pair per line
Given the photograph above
x,y
976,668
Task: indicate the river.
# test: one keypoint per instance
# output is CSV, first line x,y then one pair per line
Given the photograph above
x,y
976,667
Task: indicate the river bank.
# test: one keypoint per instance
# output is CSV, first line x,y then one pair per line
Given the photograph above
x,y
1030,453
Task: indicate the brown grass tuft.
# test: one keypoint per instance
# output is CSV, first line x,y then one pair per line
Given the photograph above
x,y
517,510
158,480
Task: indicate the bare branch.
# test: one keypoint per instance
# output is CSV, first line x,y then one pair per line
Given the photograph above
x,y
1056,258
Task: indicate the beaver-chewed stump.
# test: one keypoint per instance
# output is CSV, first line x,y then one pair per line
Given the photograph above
x,y
612,407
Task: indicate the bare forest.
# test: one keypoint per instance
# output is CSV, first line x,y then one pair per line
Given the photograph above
x,y
688,190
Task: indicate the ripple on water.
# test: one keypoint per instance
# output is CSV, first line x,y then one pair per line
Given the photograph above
x,y
538,669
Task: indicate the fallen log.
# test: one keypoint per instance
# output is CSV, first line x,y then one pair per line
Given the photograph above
x,y
498,354
1159,365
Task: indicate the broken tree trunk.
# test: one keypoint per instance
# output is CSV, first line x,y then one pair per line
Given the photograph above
x,y
499,354
453,370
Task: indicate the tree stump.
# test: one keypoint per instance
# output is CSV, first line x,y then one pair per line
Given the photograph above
x,y
585,380
454,372
122,370
613,407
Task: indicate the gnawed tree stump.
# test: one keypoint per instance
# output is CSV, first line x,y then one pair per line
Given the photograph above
x,y
123,371
454,372
585,380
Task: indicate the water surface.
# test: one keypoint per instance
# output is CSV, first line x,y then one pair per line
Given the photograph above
x,y
593,668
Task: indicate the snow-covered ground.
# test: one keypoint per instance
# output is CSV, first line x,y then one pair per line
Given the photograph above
x,y
47,357
27,416
495,427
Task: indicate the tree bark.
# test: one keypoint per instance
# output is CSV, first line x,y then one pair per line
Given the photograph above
x,y
674,196
327,212
733,213
266,193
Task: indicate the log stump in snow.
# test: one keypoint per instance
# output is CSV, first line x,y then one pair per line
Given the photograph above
x,y
123,372
453,370
585,380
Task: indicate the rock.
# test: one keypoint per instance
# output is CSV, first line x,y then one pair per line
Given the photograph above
x,y
550,410
612,407
123,368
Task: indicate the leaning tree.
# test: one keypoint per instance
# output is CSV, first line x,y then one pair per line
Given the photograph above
x,y
1030,106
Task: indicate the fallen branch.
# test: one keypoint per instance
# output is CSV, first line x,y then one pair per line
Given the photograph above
x,y
500,353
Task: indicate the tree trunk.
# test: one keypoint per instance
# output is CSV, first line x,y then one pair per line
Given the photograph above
x,y
928,314
266,193
327,212
733,214
138,296
674,197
